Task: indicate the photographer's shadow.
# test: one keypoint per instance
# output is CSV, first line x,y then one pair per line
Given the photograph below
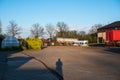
x,y
59,68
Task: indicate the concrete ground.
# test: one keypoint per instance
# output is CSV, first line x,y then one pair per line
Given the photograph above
x,y
3,64
70,63
22,67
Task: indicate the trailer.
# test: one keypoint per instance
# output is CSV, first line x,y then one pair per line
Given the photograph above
x,y
112,37
81,43
66,41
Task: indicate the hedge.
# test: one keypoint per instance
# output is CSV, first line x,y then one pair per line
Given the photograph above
x,y
32,43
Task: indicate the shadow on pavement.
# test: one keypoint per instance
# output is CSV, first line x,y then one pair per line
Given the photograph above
x,y
30,74
17,62
57,71
114,50
3,62
59,68
10,68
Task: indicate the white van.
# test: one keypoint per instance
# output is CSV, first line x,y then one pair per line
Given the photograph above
x,y
81,43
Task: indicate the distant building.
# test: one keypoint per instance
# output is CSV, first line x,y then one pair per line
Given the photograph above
x,y
66,41
102,31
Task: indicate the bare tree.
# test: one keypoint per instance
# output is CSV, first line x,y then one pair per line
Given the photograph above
x,y
13,29
0,27
62,26
62,29
71,34
37,30
82,33
50,30
94,28
93,32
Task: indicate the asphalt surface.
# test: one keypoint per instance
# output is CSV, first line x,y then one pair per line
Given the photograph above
x,y
3,64
23,67
64,63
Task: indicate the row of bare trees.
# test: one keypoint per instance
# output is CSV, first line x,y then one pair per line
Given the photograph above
x,y
61,30
36,30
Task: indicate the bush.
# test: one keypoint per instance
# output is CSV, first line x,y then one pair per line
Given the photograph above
x,y
31,43
1,38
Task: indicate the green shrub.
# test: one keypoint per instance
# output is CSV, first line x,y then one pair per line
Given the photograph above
x,y
31,43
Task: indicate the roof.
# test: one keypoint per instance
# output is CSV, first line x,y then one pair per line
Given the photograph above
x,y
114,25
10,41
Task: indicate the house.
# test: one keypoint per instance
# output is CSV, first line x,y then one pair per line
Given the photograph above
x,y
102,31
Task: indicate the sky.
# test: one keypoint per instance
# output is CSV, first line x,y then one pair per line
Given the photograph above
x,y
79,15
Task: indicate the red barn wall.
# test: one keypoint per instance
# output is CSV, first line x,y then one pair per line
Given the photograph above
x,y
113,35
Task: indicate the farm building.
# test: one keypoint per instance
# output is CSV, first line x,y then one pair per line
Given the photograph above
x,y
66,41
114,28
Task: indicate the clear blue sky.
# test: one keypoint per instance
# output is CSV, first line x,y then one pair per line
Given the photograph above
x,y
78,14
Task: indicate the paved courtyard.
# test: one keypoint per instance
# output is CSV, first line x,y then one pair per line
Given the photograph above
x,y
63,63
